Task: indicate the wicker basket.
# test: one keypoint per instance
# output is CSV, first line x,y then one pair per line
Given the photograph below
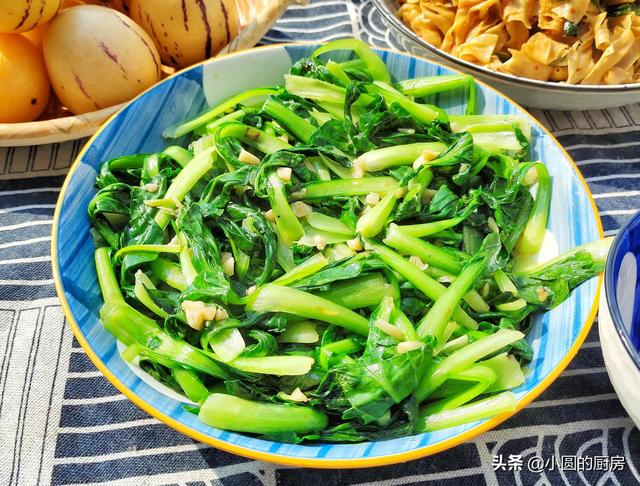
x,y
256,18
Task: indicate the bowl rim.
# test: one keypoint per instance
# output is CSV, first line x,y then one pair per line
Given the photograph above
x,y
610,290
391,18
321,463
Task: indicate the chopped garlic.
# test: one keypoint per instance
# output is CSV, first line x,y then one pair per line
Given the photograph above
x,y
406,346
445,279
492,225
531,178
228,263
319,242
372,198
301,194
419,162
296,396
253,133
542,294
427,195
355,244
429,155
248,158
197,312
221,314
251,290
269,215
150,187
357,171
408,131
425,157
284,173
418,262
389,329
400,191
301,209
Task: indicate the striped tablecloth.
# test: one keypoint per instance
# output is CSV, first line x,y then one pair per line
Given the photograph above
x,y
61,422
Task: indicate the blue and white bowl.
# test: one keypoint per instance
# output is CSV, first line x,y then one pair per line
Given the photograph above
x,y
619,322
555,336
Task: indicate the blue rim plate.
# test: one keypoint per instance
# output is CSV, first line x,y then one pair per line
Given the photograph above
x,y
555,336
622,283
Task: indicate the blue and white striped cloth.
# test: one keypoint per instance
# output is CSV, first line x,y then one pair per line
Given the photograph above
x,y
61,422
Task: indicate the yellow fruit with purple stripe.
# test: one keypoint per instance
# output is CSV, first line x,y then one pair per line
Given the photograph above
x,y
23,15
23,77
98,57
187,31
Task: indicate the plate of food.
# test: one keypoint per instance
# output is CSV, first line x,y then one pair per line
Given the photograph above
x,y
69,65
575,55
327,255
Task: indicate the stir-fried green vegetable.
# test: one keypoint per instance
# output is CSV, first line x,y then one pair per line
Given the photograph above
x,y
334,259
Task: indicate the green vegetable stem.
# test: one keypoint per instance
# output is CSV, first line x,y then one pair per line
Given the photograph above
x,y
337,258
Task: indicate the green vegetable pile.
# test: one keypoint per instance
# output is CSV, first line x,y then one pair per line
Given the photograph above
x,y
333,259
